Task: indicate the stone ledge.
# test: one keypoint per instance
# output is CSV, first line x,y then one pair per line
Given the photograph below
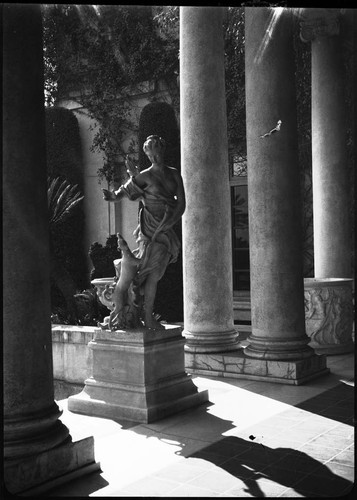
x,y
238,365
73,334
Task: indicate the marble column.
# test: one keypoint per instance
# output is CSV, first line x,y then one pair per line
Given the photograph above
x,y
31,416
207,250
277,286
330,175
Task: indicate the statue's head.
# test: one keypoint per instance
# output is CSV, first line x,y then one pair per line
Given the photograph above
x,y
154,148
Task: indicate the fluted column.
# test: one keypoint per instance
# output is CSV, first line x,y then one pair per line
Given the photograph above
x,y
331,186
30,413
277,287
207,251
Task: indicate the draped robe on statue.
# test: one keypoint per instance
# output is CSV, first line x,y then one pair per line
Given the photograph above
x,y
154,255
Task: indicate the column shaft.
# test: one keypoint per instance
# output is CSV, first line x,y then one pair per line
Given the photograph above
x,y
207,252
277,287
30,413
331,187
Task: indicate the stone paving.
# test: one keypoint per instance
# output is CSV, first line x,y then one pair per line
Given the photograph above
x,y
252,439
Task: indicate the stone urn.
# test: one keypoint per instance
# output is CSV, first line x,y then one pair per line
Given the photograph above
x,y
329,314
131,312
104,288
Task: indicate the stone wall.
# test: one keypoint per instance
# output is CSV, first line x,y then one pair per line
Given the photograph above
x,y
72,358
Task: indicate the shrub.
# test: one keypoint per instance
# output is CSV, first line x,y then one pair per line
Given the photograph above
x,y
102,258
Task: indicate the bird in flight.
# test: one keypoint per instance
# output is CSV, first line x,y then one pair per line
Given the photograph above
x,y
272,131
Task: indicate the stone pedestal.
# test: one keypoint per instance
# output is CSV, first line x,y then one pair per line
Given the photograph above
x,y
329,315
206,227
137,375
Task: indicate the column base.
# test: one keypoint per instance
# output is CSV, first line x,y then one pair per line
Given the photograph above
x,y
277,348
37,474
201,342
137,375
33,433
238,365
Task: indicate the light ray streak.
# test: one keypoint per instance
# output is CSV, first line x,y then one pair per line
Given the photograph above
x,y
274,17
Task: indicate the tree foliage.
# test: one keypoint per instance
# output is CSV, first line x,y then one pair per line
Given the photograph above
x,y
101,52
235,79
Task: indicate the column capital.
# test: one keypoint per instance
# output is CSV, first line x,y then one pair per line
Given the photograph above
x,y
315,23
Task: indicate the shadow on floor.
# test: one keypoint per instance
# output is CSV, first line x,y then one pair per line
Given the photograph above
x,y
252,462
336,403
82,486
291,468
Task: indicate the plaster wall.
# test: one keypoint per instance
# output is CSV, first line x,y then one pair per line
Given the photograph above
x,y
99,215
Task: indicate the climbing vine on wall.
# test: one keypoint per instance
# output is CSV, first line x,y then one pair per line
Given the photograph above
x,y
100,52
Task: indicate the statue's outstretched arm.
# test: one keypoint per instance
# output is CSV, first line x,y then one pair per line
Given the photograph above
x,y
131,168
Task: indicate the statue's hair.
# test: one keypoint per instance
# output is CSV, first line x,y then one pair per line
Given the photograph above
x,y
154,141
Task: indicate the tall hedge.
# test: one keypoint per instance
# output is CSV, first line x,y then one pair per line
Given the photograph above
x,y
64,149
64,160
158,118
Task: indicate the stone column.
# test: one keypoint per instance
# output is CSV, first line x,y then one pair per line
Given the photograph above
x,y
207,250
331,184
31,416
277,286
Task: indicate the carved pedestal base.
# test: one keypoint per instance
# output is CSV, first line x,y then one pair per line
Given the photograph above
x,y
37,474
237,365
329,314
137,375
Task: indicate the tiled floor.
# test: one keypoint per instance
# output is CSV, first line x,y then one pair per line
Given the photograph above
x,y
253,439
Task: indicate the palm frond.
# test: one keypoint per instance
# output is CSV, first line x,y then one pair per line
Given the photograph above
x,y
62,199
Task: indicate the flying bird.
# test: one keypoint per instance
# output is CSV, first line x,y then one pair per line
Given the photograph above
x,y
276,129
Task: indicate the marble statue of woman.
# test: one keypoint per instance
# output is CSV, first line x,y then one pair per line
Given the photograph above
x,y
160,188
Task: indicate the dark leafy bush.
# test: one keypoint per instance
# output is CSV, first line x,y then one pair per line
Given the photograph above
x,y
64,149
103,257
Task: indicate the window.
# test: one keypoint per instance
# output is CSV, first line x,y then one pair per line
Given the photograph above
x,y
240,230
